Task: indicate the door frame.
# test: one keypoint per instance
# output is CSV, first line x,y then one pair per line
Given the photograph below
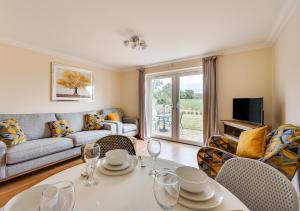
x,y
149,78
175,77
178,75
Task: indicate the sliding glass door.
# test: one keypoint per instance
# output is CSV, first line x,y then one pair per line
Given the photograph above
x,y
190,107
161,104
175,106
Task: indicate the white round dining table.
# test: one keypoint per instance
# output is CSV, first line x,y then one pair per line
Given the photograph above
x,y
130,192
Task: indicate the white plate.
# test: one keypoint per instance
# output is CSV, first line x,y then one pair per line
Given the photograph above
x,y
214,202
28,200
207,193
132,165
123,166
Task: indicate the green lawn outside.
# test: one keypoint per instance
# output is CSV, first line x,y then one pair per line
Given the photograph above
x,y
191,104
192,122
192,113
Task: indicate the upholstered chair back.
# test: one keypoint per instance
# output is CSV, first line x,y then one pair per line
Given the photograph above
x,y
258,185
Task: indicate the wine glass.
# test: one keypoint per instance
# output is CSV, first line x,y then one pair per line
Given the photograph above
x,y
154,148
91,156
66,193
49,199
166,190
58,197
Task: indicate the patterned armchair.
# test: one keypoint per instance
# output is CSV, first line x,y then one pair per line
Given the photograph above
x,y
282,152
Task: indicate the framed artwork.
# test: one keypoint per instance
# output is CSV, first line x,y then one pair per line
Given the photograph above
x,y
71,83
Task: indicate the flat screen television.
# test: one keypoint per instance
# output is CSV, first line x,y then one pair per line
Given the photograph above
x,y
249,109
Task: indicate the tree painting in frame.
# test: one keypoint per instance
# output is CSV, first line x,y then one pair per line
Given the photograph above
x,y
71,83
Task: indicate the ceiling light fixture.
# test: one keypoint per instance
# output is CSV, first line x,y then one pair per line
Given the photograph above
x,y
135,42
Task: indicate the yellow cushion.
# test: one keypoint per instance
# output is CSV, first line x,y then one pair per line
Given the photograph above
x,y
252,143
60,128
113,117
11,133
93,122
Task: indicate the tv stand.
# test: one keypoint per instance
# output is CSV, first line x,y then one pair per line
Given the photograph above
x,y
234,128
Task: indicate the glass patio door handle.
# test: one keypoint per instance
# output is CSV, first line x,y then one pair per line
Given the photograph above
x,y
176,106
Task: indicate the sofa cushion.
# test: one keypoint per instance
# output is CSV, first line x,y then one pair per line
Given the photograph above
x,y
37,148
128,127
280,138
76,119
85,137
18,168
113,117
60,128
252,143
93,122
11,133
107,111
35,126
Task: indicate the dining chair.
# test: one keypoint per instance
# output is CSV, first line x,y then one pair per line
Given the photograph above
x,y
112,142
259,186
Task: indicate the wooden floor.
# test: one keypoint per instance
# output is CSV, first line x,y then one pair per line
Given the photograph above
x,y
181,153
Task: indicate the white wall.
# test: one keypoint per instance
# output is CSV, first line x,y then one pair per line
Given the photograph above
x,y
286,88
245,74
25,84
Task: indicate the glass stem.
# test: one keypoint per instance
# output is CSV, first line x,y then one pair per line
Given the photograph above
x,y
90,172
154,164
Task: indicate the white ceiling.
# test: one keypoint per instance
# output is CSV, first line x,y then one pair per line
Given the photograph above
x,y
94,30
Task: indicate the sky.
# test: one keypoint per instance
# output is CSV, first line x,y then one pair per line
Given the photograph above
x,y
193,82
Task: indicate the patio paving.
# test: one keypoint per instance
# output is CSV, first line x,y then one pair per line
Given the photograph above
x,y
194,135
186,134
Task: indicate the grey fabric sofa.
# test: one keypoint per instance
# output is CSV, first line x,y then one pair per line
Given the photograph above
x,y
41,149
128,126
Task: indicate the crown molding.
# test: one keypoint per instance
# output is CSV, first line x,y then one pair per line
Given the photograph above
x,y
245,48
286,12
53,53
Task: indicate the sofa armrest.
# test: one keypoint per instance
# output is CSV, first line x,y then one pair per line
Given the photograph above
x,y
223,143
119,125
131,120
110,126
3,149
210,160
